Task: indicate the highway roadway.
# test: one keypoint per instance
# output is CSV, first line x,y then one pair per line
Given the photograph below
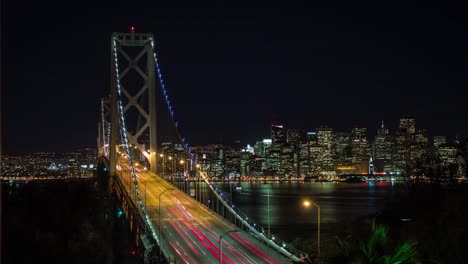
x,y
191,232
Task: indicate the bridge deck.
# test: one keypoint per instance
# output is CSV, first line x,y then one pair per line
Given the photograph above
x,y
191,232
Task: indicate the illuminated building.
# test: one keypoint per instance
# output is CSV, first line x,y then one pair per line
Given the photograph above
x,y
245,166
419,147
359,157
448,159
342,148
273,159
439,141
408,124
325,141
405,137
277,134
232,162
73,168
383,150
261,147
287,167
311,138
296,137
315,159
304,160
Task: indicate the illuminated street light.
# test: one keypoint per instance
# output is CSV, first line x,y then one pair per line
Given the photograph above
x,y
306,204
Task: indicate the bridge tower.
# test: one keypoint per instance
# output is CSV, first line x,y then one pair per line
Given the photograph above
x,y
133,93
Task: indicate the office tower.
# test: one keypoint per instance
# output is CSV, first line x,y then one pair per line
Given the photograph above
x,y
439,141
304,160
273,159
295,137
325,141
383,149
232,161
342,148
448,160
259,149
288,165
408,124
359,156
245,164
277,134
405,137
419,148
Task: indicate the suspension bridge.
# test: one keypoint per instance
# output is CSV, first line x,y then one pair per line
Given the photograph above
x,y
178,215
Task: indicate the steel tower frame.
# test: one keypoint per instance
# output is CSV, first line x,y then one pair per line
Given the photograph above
x,y
142,40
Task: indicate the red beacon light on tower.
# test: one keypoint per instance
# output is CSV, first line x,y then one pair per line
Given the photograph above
x,y
132,28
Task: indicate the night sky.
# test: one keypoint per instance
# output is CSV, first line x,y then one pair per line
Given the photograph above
x,y
229,69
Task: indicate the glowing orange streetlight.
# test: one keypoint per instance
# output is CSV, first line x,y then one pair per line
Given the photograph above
x,y
306,204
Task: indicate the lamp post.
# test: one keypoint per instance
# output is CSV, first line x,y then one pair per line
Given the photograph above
x,y
198,183
162,156
221,244
172,168
182,179
307,204
268,214
159,221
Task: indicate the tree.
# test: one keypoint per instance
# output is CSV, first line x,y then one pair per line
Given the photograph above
x,y
377,250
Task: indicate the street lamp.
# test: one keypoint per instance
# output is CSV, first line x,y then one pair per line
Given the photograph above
x,y
306,204
163,162
159,220
221,244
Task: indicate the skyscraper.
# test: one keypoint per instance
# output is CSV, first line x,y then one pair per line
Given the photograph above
x,y
408,124
277,134
405,137
295,137
325,141
439,141
359,149
383,149
342,148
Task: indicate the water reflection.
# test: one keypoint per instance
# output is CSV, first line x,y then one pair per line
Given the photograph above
x,y
339,202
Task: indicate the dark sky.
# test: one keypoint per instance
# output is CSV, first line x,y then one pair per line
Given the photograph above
x,y
229,68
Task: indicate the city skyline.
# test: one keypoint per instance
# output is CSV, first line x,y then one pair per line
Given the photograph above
x,y
230,70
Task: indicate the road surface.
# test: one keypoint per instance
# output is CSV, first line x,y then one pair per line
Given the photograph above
x,y
190,232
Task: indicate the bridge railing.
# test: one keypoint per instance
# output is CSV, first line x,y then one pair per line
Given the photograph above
x,y
256,230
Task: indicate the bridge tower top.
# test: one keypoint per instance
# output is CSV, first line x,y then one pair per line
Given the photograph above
x,y
133,95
